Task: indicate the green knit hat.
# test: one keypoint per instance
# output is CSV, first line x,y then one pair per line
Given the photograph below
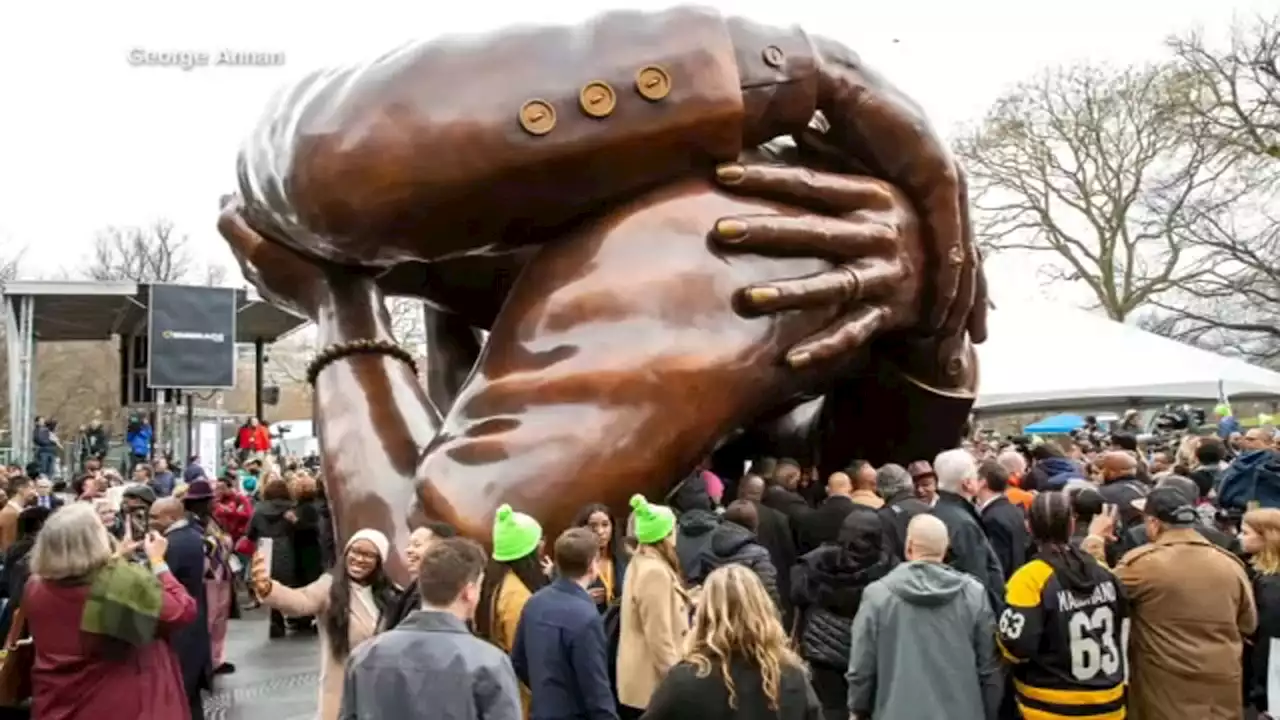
x,y
653,522
514,535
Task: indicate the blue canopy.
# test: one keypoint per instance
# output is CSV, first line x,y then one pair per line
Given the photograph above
x,y
1054,425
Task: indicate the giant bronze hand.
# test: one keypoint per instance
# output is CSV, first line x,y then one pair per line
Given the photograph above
x,y
618,358
868,127
396,161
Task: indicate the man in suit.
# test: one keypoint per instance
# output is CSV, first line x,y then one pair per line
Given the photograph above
x,y
773,531
44,496
561,653
1004,522
21,491
185,557
824,522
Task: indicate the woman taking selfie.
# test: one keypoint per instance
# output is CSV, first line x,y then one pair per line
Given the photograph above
x,y
655,608
349,600
737,662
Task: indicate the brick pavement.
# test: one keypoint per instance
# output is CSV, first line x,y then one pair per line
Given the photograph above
x,y
274,679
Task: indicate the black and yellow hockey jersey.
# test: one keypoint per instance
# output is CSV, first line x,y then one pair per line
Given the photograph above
x,y
1069,648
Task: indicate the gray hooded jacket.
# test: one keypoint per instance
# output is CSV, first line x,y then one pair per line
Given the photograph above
x,y
923,646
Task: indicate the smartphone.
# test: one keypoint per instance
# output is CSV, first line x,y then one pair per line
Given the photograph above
x,y
266,546
136,523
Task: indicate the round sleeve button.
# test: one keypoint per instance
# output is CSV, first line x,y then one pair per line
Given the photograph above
x,y
653,83
598,99
537,117
774,57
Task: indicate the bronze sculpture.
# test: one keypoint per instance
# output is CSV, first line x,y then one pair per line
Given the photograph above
x,y
564,205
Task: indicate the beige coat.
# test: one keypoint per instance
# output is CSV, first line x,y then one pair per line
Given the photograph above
x,y
314,600
655,619
1191,607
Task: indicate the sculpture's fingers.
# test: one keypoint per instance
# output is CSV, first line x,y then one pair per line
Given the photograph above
x,y
981,305
807,236
962,304
826,192
976,315
843,285
958,318
874,122
243,240
854,332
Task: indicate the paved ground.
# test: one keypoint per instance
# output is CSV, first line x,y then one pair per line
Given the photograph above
x,y
274,679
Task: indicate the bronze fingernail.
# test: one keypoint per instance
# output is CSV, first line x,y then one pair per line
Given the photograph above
x,y
764,294
798,359
730,173
730,229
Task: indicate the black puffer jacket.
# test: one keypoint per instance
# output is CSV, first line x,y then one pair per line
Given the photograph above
x,y
695,519
732,543
827,586
1266,592
269,521
693,536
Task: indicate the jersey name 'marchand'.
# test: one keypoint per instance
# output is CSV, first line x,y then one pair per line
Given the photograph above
x,y
1103,594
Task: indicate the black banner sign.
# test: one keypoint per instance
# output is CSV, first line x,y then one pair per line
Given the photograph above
x,y
191,337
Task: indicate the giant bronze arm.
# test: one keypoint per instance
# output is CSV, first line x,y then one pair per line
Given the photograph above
x,y
482,142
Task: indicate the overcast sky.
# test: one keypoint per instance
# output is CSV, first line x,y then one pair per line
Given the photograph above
x,y
88,139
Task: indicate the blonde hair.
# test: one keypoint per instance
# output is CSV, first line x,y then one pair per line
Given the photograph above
x,y
1265,522
72,545
1186,455
736,618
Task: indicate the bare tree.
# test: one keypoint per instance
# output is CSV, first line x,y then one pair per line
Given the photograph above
x,y
1235,89
152,253
289,358
1096,168
1233,305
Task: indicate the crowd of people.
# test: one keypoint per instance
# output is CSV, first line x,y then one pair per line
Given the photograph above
x,y
124,588
1062,578
1042,580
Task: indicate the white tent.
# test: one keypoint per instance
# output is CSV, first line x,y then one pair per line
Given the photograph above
x,y
1045,357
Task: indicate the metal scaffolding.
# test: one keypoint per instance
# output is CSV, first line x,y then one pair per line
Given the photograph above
x,y
68,311
20,336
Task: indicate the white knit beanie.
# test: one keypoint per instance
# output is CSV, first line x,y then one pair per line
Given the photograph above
x,y
377,538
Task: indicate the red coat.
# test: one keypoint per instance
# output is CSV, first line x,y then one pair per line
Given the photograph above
x,y
71,684
254,439
232,513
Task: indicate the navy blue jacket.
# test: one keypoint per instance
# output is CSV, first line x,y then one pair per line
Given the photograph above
x,y
185,558
560,655
1254,475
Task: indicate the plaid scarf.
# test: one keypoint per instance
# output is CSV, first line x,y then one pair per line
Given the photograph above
x,y
124,603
